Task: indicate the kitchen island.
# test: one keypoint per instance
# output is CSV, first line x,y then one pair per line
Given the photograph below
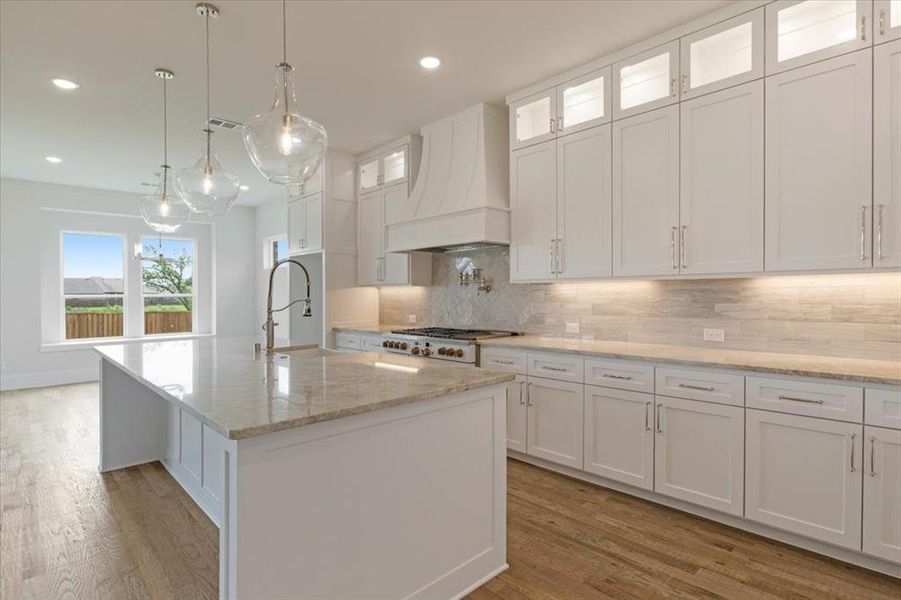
x,y
329,475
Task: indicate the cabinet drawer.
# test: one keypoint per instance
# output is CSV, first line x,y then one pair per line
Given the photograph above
x,y
348,341
883,408
556,366
370,343
499,359
620,374
840,402
695,384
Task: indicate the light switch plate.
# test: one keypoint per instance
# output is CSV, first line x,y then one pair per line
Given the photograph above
x,y
714,335
572,328
411,319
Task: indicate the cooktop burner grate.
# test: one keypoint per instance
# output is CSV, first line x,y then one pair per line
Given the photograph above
x,y
450,333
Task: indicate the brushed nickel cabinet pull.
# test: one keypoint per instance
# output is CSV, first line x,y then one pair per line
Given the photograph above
x,y
863,27
557,369
551,257
882,22
879,209
559,251
647,410
657,418
700,388
672,248
807,400
503,362
685,83
623,377
529,390
553,125
559,124
672,87
853,437
872,457
863,232
522,401
682,235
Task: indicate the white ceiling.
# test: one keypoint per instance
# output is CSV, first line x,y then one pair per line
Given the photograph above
x,y
356,64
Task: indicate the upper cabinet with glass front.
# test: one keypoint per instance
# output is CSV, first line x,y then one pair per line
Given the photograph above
x,y
802,32
887,20
646,81
386,166
726,54
573,106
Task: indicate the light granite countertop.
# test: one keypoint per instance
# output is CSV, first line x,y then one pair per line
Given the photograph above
x,y
802,365
239,395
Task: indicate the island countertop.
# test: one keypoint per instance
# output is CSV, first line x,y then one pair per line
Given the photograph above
x,y
238,395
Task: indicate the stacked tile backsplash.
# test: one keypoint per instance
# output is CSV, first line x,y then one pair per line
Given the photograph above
x,y
851,315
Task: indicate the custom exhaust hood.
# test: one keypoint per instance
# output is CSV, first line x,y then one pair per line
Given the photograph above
x,y
461,197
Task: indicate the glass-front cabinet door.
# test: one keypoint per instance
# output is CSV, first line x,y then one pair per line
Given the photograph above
x,y
802,32
533,119
726,54
368,175
394,166
583,102
887,20
646,81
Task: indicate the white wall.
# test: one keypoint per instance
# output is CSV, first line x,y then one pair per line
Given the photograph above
x,y
22,226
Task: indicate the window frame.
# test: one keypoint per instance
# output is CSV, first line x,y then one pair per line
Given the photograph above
x,y
194,286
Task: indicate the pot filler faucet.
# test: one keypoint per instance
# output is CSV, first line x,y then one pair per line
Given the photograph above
x,y
269,325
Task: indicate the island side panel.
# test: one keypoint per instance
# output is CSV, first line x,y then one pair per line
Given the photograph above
x,y
133,420
404,502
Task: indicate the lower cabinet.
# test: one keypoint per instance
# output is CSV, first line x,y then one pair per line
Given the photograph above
x,y
517,409
804,475
555,413
619,439
699,453
882,493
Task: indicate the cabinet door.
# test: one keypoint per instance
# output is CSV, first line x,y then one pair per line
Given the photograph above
x,y
534,119
803,475
646,81
619,441
297,226
722,182
395,166
882,493
533,219
370,239
369,175
887,154
699,453
802,32
584,102
517,400
818,166
887,18
396,265
723,55
313,222
584,191
555,421
646,193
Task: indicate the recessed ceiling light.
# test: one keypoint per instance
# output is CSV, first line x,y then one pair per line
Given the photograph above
x,y
244,188
65,84
429,62
53,159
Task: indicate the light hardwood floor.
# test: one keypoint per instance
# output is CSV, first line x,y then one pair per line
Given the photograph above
x,y
68,532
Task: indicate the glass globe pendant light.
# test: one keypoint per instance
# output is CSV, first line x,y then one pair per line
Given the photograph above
x,y
163,210
285,146
206,187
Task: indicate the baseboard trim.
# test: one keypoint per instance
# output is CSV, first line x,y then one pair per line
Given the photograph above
x,y
47,378
843,554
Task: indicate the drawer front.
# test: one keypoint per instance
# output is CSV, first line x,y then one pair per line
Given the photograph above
x,y
498,359
348,341
371,344
564,367
696,384
883,408
797,397
620,374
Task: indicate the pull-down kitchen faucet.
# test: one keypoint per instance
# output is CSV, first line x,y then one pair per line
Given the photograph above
x,y
269,325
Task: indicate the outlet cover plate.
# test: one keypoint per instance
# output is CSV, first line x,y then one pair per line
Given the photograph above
x,y
714,335
411,319
572,328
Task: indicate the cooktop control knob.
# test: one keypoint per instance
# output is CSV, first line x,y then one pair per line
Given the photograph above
x,y
415,350
442,351
403,345
426,352
459,353
385,344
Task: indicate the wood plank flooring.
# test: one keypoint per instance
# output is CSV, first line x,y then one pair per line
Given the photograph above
x,y
67,531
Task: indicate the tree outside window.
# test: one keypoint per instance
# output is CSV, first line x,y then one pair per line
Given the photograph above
x,y
168,285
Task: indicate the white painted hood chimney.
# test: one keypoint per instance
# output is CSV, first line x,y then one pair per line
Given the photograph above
x,y
461,198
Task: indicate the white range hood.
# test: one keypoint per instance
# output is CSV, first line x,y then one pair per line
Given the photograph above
x,y
461,198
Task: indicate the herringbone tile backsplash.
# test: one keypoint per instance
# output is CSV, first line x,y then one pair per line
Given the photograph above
x,y
853,315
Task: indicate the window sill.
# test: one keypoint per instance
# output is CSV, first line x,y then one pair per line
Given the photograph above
x,y
87,344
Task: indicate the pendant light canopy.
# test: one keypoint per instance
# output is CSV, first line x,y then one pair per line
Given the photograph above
x,y
163,210
206,187
285,146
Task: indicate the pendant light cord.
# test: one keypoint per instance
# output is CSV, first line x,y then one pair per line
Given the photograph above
x,y
285,66
207,127
165,165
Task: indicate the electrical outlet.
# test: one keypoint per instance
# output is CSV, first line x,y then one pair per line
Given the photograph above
x,y
714,335
572,328
411,319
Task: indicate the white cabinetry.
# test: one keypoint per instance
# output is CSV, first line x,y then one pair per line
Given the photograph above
x,y
533,224
305,224
699,453
619,440
387,165
721,214
882,493
555,416
804,475
646,81
517,414
887,20
646,193
887,154
803,32
818,166
726,54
